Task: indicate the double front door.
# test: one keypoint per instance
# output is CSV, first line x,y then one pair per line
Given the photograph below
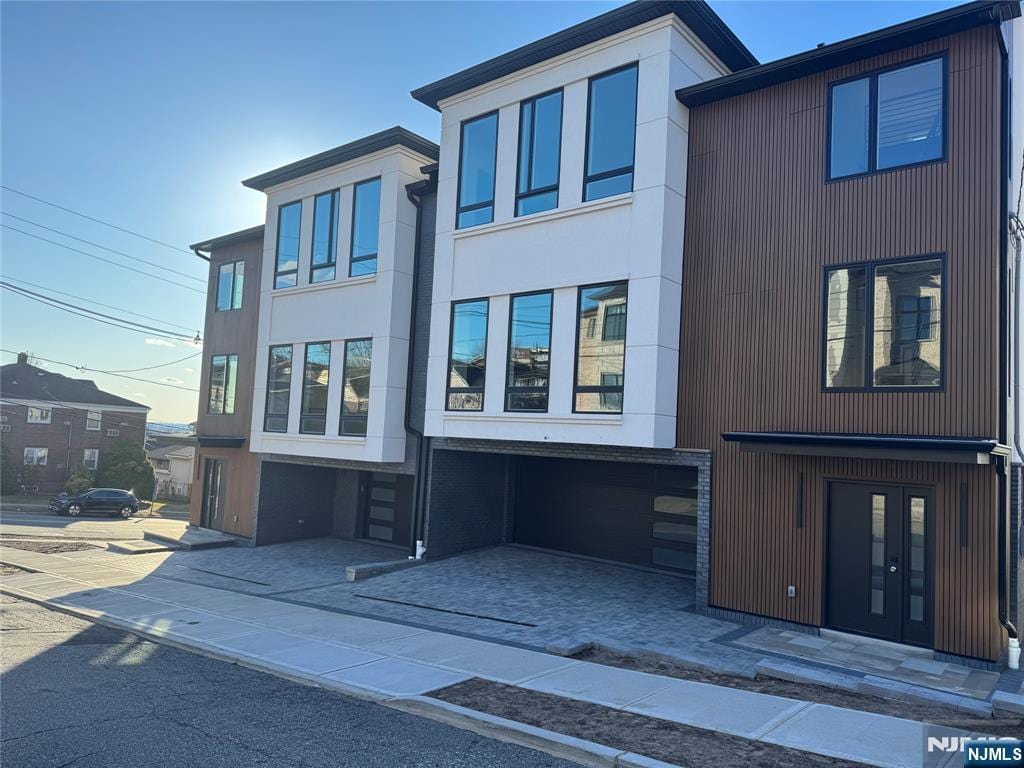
x,y
880,561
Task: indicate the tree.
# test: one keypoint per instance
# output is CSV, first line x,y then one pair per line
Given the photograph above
x,y
125,466
8,471
79,482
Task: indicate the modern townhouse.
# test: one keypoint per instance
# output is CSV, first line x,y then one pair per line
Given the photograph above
x,y
52,425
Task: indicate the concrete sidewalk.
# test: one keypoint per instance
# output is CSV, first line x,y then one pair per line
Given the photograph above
x,y
388,660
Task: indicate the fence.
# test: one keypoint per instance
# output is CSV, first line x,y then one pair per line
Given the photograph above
x,y
168,491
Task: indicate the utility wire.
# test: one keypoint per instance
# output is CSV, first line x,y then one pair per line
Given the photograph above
x,y
98,221
151,367
86,369
93,301
105,248
101,258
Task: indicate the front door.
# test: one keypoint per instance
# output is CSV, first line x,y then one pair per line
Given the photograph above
x,y
880,562
214,489
387,507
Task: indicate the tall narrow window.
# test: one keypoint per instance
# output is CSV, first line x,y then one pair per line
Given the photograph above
x,y
529,353
325,236
223,372
478,148
365,228
91,458
600,349
611,133
467,356
918,583
540,143
850,138
355,387
230,282
878,554
289,223
279,384
313,417
846,327
93,420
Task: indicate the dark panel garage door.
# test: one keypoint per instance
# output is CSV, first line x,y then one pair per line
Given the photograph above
x,y
634,513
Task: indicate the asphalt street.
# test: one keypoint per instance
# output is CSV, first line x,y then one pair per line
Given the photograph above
x,y
83,695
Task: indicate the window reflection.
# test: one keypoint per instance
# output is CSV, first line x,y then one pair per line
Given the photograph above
x,y
529,353
601,348
846,327
313,417
906,348
467,359
355,391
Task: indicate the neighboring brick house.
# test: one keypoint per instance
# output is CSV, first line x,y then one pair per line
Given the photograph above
x,y
51,424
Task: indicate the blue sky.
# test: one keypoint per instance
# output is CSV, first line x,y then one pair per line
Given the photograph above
x,y
147,115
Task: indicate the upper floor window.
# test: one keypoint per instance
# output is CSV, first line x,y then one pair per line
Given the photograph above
x,y
540,145
887,119
223,372
36,456
600,349
315,372
478,146
355,387
467,356
93,420
39,415
611,133
279,384
529,353
289,224
230,281
91,458
365,228
323,255
883,325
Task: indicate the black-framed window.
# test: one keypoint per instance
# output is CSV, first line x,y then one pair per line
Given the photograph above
x,y
279,385
365,228
611,133
355,387
223,377
467,355
529,352
888,119
286,264
323,255
883,325
478,151
600,350
230,282
315,382
540,149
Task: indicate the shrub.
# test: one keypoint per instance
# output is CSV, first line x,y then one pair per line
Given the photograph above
x,y
125,466
79,482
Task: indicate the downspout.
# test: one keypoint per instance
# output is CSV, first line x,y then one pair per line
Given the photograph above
x,y
417,546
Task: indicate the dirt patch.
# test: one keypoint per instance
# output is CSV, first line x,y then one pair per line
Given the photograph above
x,y
819,694
11,570
660,739
45,546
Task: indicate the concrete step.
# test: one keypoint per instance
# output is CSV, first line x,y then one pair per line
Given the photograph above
x,y
139,547
192,538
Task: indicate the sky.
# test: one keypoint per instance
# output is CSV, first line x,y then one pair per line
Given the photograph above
x,y
147,115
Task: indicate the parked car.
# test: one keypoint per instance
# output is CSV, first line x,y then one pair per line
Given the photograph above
x,y
110,501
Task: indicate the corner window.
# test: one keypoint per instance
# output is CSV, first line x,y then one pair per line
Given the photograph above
x,y
93,420
315,371
540,145
883,325
91,458
600,349
325,235
888,119
467,356
611,133
355,387
223,372
39,415
286,265
279,384
230,281
365,228
36,457
478,146
529,353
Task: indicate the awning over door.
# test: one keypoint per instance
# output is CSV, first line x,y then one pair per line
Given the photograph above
x,y
956,450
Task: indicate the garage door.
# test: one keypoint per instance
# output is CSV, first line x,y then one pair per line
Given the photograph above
x,y
634,513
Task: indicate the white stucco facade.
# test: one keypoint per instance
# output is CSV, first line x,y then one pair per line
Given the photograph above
x,y
376,306
637,237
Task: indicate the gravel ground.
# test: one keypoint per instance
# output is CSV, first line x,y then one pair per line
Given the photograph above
x,y
10,570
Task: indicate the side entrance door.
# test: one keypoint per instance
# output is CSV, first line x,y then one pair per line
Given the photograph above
x,y
880,561
214,489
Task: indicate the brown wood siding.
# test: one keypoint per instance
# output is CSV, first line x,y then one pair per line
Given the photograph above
x,y
243,480
761,222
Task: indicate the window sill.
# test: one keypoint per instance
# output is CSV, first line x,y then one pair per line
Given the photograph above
x,y
581,419
535,218
326,285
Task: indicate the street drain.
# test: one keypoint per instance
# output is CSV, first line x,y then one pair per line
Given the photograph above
x,y
447,610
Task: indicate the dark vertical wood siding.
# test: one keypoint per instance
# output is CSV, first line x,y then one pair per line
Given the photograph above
x,y
761,222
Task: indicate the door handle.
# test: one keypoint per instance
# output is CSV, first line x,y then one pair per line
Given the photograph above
x,y
892,569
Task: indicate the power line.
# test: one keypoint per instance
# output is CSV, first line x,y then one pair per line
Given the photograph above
x,y
86,369
161,365
93,301
98,221
100,258
105,248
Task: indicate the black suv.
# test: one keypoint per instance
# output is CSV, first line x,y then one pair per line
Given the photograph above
x,y
110,501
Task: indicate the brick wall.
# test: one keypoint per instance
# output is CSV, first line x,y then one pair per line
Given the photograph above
x,y
467,501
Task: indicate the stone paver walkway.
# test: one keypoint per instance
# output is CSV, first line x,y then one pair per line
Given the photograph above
x,y
386,659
